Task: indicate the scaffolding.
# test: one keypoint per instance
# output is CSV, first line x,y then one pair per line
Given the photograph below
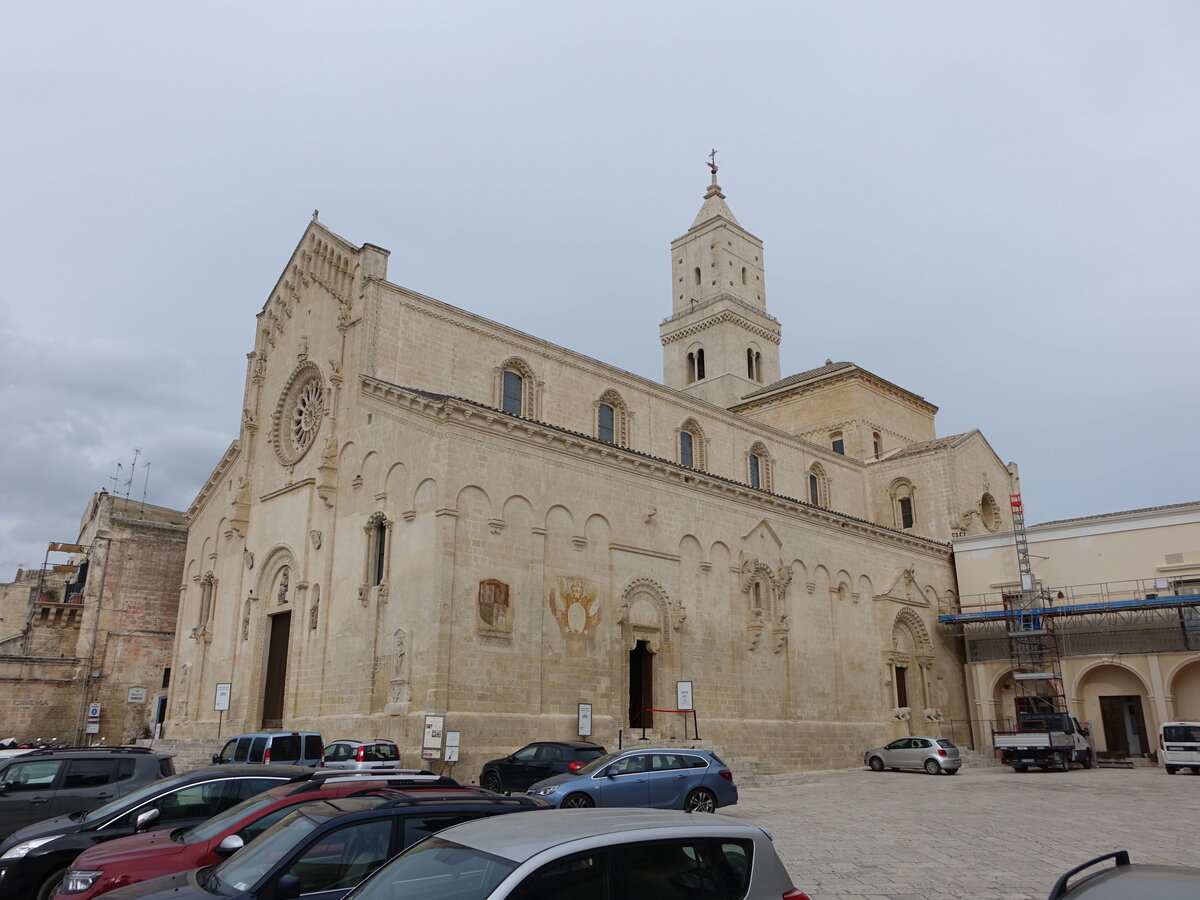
x,y
1032,642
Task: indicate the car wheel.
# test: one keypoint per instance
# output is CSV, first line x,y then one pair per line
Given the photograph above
x,y
1086,762
51,885
951,771
876,764
1020,768
932,767
700,800
491,782
578,801
1171,770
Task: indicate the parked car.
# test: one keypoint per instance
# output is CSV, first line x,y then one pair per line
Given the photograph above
x,y
40,784
1179,746
672,778
371,754
933,754
34,860
533,762
322,850
298,748
602,854
1124,879
152,854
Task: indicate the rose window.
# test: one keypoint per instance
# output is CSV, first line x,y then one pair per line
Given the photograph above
x,y
298,414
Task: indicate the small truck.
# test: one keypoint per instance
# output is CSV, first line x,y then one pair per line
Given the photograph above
x,y
1049,740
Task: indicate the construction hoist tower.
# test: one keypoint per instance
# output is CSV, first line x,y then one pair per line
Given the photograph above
x,y
1033,646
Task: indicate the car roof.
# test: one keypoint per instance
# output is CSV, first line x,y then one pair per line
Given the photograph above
x,y
270,770
575,745
1146,881
449,798
116,750
630,750
533,834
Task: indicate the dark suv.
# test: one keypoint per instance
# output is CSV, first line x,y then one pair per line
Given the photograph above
x,y
44,783
322,850
34,859
533,762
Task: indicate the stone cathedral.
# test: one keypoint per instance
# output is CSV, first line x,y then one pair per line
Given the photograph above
x,y
427,513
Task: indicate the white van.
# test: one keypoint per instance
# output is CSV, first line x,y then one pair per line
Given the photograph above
x,y
1179,746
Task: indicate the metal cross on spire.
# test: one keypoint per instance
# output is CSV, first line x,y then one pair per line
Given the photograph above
x,y
712,161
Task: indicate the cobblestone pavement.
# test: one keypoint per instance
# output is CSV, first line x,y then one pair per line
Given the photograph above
x,y
986,833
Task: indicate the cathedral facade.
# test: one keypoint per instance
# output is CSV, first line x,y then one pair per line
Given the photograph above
x,y
427,513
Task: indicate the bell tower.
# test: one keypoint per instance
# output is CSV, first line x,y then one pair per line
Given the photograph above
x,y
719,343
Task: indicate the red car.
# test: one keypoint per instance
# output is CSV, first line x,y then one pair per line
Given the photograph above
x,y
141,857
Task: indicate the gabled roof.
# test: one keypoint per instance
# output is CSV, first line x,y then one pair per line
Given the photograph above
x,y
936,444
1113,515
829,370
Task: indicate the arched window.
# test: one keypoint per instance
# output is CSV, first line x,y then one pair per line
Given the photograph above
x,y
604,423
700,364
378,532
691,445
750,364
516,388
758,466
904,504
612,419
513,392
818,486
691,367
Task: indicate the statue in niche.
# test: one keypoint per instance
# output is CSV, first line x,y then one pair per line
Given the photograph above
x,y
399,680
494,610
575,604
313,610
282,596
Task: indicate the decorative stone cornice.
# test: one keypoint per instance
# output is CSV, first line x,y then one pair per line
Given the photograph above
x,y
718,319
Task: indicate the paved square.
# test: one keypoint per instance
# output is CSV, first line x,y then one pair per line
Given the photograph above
x,y
985,833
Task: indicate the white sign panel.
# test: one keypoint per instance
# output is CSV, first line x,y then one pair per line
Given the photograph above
x,y
93,710
585,720
683,695
451,754
136,695
453,738
433,732
222,701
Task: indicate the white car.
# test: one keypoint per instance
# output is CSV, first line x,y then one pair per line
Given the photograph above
x,y
588,854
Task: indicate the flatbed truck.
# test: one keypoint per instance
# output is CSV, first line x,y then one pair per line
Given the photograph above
x,y
1047,740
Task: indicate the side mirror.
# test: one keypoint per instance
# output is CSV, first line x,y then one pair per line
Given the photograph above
x,y
4,786
288,888
143,821
216,759
230,845
610,772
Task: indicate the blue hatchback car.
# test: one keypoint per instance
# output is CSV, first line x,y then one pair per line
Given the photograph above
x,y
664,778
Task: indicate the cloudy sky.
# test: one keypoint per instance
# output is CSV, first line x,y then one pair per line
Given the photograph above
x,y
993,204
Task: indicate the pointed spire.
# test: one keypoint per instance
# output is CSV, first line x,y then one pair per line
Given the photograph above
x,y
714,200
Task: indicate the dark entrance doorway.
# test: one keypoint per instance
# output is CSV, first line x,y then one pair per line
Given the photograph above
x,y
274,683
641,686
901,686
1124,725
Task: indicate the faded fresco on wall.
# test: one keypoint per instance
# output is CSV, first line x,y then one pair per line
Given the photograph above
x,y
575,604
495,613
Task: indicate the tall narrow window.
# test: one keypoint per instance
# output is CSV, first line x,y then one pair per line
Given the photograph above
x,y
906,512
691,444
604,419
700,364
755,474
685,449
818,486
512,393
743,274
691,365
904,504
814,489
757,366
697,275
380,548
750,364
878,442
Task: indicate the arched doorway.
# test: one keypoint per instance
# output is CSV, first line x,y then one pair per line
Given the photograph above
x,y
275,682
641,686
1116,698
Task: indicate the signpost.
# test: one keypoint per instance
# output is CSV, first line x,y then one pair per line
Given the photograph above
x,y
431,745
585,720
222,703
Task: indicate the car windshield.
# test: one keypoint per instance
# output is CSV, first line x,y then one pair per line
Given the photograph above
x,y
599,763
133,798
246,867
210,828
436,868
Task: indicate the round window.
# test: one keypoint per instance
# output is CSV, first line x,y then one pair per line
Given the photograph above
x,y
989,512
298,414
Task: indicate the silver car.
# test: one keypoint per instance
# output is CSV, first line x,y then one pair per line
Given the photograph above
x,y
604,854
372,754
933,754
